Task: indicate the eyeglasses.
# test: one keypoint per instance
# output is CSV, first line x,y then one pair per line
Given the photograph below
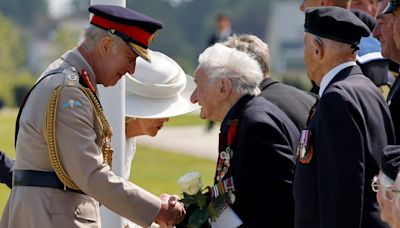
x,y
388,191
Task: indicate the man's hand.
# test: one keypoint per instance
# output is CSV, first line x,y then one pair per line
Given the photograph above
x,y
172,211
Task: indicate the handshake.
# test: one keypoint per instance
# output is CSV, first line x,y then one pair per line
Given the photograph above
x,y
172,211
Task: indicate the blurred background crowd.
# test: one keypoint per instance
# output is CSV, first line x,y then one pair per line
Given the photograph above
x,y
33,33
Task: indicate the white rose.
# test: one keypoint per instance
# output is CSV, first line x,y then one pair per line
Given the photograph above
x,y
190,183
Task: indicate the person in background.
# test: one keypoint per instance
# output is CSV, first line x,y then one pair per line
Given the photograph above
x,y
6,166
293,102
368,6
340,150
369,58
388,193
383,184
62,170
164,89
257,139
314,3
384,31
223,29
395,194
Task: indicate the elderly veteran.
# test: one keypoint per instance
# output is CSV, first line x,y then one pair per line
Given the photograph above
x,y
257,139
394,191
394,9
293,102
383,184
384,32
390,36
62,167
369,58
340,149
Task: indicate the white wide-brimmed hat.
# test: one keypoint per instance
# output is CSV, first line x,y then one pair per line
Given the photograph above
x,y
159,89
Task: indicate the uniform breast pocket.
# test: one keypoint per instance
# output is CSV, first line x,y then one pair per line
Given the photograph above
x,y
70,209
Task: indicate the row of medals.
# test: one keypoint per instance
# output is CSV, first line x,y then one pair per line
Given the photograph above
x,y
224,162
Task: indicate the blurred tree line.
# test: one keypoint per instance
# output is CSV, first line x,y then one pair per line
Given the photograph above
x,y
15,15
188,25
187,28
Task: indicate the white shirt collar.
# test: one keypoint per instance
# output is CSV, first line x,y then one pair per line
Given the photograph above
x,y
331,74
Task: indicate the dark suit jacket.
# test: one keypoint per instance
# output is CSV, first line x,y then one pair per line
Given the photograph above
x,y
394,106
263,162
6,165
295,103
350,128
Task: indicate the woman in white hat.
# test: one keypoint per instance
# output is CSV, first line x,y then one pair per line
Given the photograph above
x,y
154,93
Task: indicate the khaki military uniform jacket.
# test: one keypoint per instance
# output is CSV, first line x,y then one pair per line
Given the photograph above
x,y
79,137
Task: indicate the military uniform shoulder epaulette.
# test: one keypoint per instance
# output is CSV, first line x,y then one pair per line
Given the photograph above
x,y
71,77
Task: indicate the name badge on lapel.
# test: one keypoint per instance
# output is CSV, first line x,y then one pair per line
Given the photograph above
x,y
305,148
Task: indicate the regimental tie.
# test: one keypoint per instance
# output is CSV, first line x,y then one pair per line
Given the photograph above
x,y
225,156
305,148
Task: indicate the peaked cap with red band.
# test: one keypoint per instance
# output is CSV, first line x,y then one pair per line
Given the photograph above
x,y
136,29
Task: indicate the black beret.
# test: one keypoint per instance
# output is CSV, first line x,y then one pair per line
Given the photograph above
x,y
136,29
335,23
391,161
392,6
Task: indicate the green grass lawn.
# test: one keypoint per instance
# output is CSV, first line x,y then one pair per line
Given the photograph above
x,y
158,171
7,126
154,170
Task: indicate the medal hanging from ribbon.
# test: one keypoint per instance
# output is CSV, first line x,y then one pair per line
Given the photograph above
x,y
225,157
305,148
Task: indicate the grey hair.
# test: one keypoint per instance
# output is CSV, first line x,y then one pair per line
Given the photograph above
x,y
219,61
94,34
255,47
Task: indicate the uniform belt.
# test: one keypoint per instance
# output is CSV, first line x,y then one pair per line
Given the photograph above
x,y
39,179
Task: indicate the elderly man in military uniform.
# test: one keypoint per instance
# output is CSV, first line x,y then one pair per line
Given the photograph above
x,y
387,32
62,167
340,150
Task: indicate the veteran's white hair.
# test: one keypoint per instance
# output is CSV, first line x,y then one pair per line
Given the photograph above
x,y
219,61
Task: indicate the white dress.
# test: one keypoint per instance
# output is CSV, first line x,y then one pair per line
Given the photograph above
x,y
130,150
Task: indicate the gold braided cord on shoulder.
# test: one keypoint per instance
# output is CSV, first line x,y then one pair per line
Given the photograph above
x,y
50,124
51,140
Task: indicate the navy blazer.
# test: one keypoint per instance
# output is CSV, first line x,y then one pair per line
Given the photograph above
x,y
262,163
295,103
350,128
6,165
